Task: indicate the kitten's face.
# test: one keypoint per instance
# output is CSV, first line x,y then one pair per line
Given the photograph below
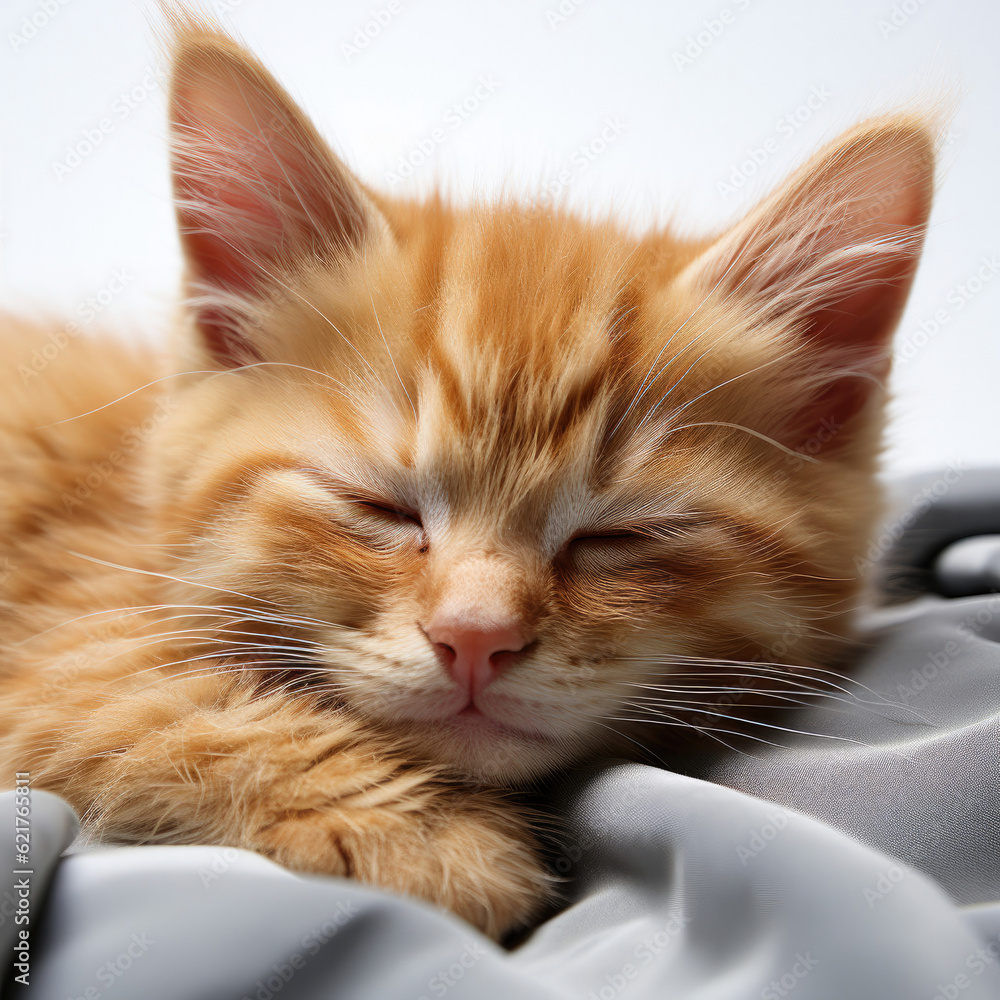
x,y
519,464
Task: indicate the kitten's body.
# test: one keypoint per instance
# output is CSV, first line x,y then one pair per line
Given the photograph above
x,y
238,607
204,757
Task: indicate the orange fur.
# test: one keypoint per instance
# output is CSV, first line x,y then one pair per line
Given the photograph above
x,y
650,452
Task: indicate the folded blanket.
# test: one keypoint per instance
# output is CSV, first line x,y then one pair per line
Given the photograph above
x,y
848,873
911,764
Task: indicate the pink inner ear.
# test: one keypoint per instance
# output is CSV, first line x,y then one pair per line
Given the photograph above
x,y
257,189
857,330
835,252
229,229
230,232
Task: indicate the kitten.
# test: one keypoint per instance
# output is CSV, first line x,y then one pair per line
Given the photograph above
x,y
428,497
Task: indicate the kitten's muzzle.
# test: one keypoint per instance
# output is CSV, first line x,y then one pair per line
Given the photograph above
x,y
475,651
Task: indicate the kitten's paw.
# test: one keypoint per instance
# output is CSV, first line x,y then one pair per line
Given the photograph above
x,y
482,862
473,854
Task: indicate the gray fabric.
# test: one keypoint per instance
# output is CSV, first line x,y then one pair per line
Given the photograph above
x,y
920,778
678,886
930,513
918,781
685,889
970,566
37,828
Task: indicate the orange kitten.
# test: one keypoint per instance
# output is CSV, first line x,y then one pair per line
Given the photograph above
x,y
431,494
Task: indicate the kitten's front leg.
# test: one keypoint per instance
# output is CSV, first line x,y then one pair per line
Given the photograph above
x,y
464,849
206,760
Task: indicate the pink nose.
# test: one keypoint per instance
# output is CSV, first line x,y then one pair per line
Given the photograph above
x,y
474,654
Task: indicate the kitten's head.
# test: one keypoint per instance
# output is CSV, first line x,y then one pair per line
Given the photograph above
x,y
520,464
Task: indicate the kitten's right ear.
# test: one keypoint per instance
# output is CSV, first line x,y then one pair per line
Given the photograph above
x,y
257,190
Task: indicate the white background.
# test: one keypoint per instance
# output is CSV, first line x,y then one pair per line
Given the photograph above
x,y
688,127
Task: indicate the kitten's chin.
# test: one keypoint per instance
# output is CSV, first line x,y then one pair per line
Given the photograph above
x,y
479,747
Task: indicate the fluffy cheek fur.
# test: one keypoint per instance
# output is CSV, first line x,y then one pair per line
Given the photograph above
x,y
609,616
362,589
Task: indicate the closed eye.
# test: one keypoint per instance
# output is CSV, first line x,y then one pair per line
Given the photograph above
x,y
389,512
365,504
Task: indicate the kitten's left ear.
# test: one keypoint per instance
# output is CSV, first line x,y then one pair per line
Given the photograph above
x,y
832,255
258,192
